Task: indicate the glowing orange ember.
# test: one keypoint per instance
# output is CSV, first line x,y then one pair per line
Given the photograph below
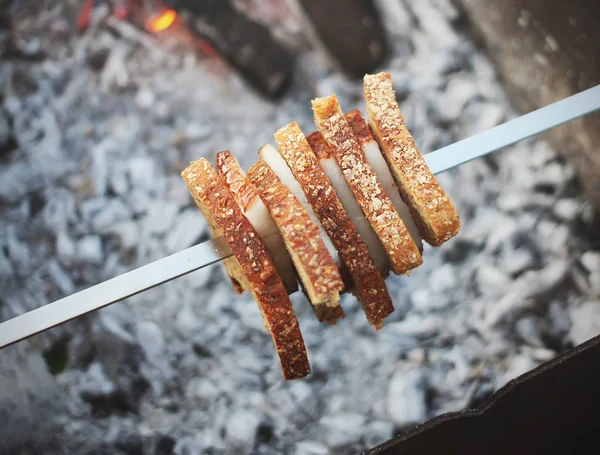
x,y
161,22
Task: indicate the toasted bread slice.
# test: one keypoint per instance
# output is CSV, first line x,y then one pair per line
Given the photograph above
x,y
369,286
255,211
338,182
368,191
430,206
275,161
318,272
254,268
382,171
271,156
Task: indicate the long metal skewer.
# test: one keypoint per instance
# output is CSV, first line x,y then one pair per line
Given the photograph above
x,y
215,250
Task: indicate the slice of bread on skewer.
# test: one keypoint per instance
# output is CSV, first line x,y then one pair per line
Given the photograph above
x,y
369,286
271,156
368,191
430,206
379,165
254,268
275,161
338,182
318,272
255,211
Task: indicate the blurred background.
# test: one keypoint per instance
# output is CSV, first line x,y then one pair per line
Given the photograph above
x,y
104,103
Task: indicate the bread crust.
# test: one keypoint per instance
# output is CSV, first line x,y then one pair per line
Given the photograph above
x,y
317,270
370,288
365,138
319,146
368,191
429,204
235,178
246,195
359,126
256,271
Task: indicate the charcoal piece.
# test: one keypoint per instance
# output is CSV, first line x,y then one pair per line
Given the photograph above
x,y
247,45
97,59
351,30
29,402
7,139
164,445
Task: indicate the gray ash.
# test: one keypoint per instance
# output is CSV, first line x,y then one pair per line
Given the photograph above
x,y
98,131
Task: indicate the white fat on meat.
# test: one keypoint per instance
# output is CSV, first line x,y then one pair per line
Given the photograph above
x,y
275,161
362,225
383,173
257,213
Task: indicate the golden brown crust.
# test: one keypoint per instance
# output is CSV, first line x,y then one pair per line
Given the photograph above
x,y
237,191
371,290
370,195
359,126
430,206
246,195
255,268
319,145
235,178
318,272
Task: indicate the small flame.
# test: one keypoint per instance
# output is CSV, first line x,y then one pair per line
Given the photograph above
x,y
161,22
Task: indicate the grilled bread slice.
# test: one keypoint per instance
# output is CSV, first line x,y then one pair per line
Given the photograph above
x,y
381,169
338,182
368,191
318,272
369,286
250,265
430,206
255,211
275,161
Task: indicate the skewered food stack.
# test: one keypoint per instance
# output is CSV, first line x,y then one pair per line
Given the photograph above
x,y
330,212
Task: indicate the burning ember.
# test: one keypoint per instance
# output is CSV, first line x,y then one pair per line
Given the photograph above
x,y
161,21
153,18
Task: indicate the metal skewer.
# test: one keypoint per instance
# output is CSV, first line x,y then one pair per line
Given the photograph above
x,y
216,249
